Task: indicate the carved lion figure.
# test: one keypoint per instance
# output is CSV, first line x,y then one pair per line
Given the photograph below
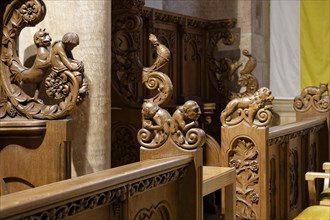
x,y
250,103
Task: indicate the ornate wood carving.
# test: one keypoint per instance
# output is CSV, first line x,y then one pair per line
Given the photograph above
x,y
161,211
311,97
153,182
126,39
255,109
246,79
66,82
244,157
219,30
124,148
293,178
272,188
157,123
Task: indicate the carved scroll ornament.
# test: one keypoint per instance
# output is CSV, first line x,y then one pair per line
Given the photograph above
x,y
66,81
311,97
254,109
157,124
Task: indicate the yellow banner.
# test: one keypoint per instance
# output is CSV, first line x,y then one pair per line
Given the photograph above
x,y
314,42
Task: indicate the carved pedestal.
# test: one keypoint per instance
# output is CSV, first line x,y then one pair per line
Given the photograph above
x,y
33,153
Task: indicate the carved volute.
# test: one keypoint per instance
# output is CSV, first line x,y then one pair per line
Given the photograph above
x,y
312,98
54,66
254,109
158,125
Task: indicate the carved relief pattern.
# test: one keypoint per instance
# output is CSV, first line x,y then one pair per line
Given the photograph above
x,y
311,97
90,202
244,157
157,123
293,177
161,210
125,40
218,69
194,39
246,79
124,148
285,138
312,157
112,197
255,109
156,181
14,101
272,188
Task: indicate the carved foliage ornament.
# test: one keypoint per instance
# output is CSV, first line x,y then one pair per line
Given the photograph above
x,y
157,124
254,109
244,158
311,97
66,83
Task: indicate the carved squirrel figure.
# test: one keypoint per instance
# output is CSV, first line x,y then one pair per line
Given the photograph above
x,y
314,91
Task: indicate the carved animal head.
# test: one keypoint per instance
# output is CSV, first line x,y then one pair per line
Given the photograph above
x,y
324,87
149,109
42,39
191,110
153,39
264,94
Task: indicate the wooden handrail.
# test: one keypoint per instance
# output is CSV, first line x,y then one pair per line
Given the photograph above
x,y
54,195
293,127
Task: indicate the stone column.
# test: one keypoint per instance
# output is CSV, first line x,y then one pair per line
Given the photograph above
x,y
91,20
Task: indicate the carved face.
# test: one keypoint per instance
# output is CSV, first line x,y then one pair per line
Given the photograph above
x,y
149,110
42,38
192,110
265,94
153,39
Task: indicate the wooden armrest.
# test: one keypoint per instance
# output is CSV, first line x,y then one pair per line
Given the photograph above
x,y
310,177
326,167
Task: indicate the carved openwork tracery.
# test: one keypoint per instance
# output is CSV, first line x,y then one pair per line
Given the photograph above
x,y
244,157
157,124
311,97
65,80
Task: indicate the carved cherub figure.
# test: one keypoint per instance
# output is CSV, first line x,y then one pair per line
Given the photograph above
x,y
157,120
314,91
184,118
41,65
251,103
163,54
62,59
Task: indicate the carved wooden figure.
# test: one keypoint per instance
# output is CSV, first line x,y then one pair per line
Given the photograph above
x,y
311,99
247,108
66,82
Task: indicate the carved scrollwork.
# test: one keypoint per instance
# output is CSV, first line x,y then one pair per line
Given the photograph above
x,y
156,181
157,123
184,131
70,87
311,97
254,109
161,210
125,41
75,207
244,158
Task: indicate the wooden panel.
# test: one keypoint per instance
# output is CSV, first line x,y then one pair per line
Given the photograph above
x,y
33,153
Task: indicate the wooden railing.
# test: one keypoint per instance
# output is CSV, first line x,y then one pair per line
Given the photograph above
x,y
270,162
127,192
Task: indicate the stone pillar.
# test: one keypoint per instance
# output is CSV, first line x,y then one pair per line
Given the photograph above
x,y
91,20
253,19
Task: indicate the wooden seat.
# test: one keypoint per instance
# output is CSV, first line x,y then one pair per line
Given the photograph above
x,y
320,206
215,178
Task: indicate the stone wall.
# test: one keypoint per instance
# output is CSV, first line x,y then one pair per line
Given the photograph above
x,y
91,20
